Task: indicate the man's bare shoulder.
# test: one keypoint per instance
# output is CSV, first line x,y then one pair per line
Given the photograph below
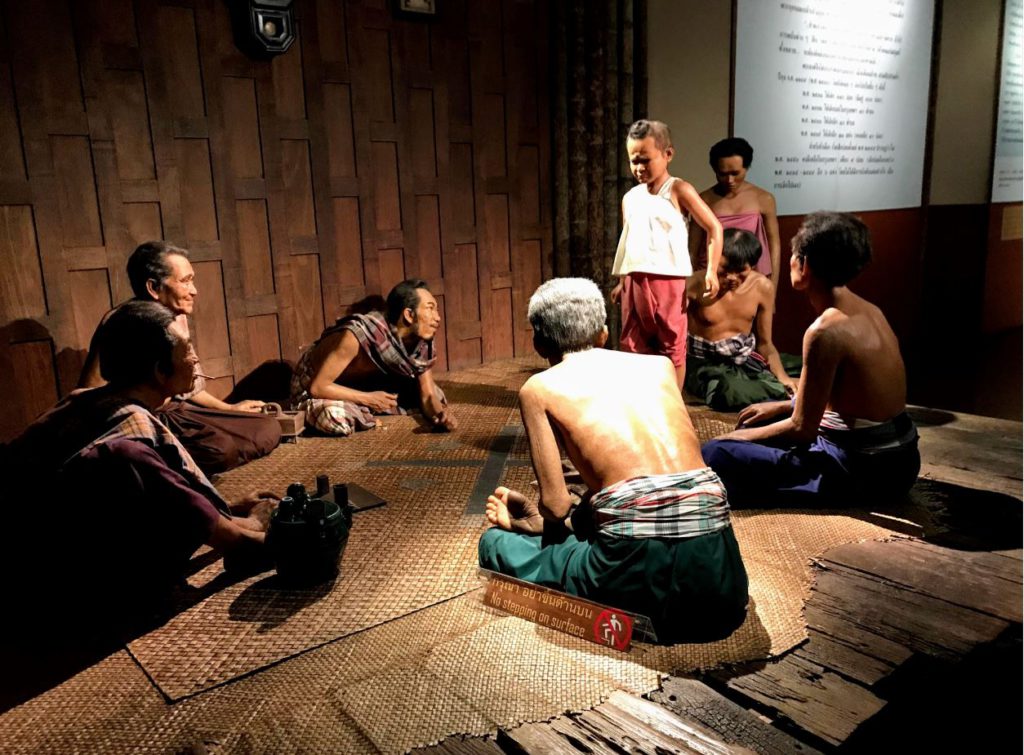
x,y
829,331
762,285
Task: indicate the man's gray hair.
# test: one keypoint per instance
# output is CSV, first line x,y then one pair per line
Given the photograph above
x,y
567,314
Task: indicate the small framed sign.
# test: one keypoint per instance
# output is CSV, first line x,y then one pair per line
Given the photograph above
x,y
416,8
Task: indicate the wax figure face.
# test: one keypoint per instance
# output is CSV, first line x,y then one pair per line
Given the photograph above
x,y
730,173
425,319
646,161
177,291
729,280
182,377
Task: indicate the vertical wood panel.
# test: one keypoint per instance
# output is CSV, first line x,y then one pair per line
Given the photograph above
x,y
492,131
254,241
348,240
529,185
428,238
386,203
526,278
424,151
143,221
305,280
12,164
330,16
126,94
79,211
198,208
90,300
298,187
210,318
461,184
21,278
376,45
180,58
392,269
29,371
289,98
242,126
264,340
338,117
462,306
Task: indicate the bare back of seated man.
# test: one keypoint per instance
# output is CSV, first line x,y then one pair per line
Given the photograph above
x,y
655,536
851,399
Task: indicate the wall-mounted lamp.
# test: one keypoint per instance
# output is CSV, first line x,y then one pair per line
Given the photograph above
x,y
263,28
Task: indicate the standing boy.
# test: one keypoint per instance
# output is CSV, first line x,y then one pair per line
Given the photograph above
x,y
652,261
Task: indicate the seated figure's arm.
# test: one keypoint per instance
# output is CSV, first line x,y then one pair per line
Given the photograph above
x,y
438,412
344,349
763,334
822,353
555,501
208,400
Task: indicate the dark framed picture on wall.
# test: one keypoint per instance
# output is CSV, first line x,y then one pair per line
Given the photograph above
x,y
416,8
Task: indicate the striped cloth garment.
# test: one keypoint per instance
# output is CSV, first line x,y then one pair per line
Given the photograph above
x,y
678,505
738,349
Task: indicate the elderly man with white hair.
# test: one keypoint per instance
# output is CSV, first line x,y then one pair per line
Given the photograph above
x,y
653,536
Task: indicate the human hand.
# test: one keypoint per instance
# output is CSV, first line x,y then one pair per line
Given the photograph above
x,y
249,405
757,414
380,402
710,284
445,420
790,384
245,504
616,293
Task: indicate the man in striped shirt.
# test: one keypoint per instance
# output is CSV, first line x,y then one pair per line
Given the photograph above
x,y
654,537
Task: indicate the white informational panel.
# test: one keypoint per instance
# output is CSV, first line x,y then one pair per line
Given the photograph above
x,y
1008,167
833,96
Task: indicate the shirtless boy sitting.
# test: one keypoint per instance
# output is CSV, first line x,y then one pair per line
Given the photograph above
x,y
731,361
662,544
846,436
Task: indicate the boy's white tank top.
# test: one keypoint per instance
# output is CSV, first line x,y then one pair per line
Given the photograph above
x,y
654,234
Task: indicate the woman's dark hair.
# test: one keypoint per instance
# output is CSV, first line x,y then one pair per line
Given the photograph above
x,y
836,245
729,147
404,296
149,263
133,341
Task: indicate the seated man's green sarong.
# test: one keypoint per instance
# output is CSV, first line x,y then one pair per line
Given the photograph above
x,y
729,375
663,548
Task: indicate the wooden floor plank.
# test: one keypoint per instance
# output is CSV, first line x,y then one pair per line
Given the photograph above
x,y
636,725
953,576
695,700
843,659
854,635
919,622
995,562
815,699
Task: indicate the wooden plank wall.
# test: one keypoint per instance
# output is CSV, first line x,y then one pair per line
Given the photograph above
x,y
376,148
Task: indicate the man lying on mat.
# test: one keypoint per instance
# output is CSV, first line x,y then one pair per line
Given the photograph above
x,y
365,365
846,436
731,361
116,502
655,537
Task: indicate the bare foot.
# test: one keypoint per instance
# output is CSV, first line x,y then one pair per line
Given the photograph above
x,y
512,511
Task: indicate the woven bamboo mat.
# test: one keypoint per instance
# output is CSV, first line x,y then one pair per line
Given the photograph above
x,y
394,660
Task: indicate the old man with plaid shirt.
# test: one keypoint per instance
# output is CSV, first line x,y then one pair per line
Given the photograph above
x,y
653,536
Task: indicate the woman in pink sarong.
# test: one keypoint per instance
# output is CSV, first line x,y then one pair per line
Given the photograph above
x,y
740,204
